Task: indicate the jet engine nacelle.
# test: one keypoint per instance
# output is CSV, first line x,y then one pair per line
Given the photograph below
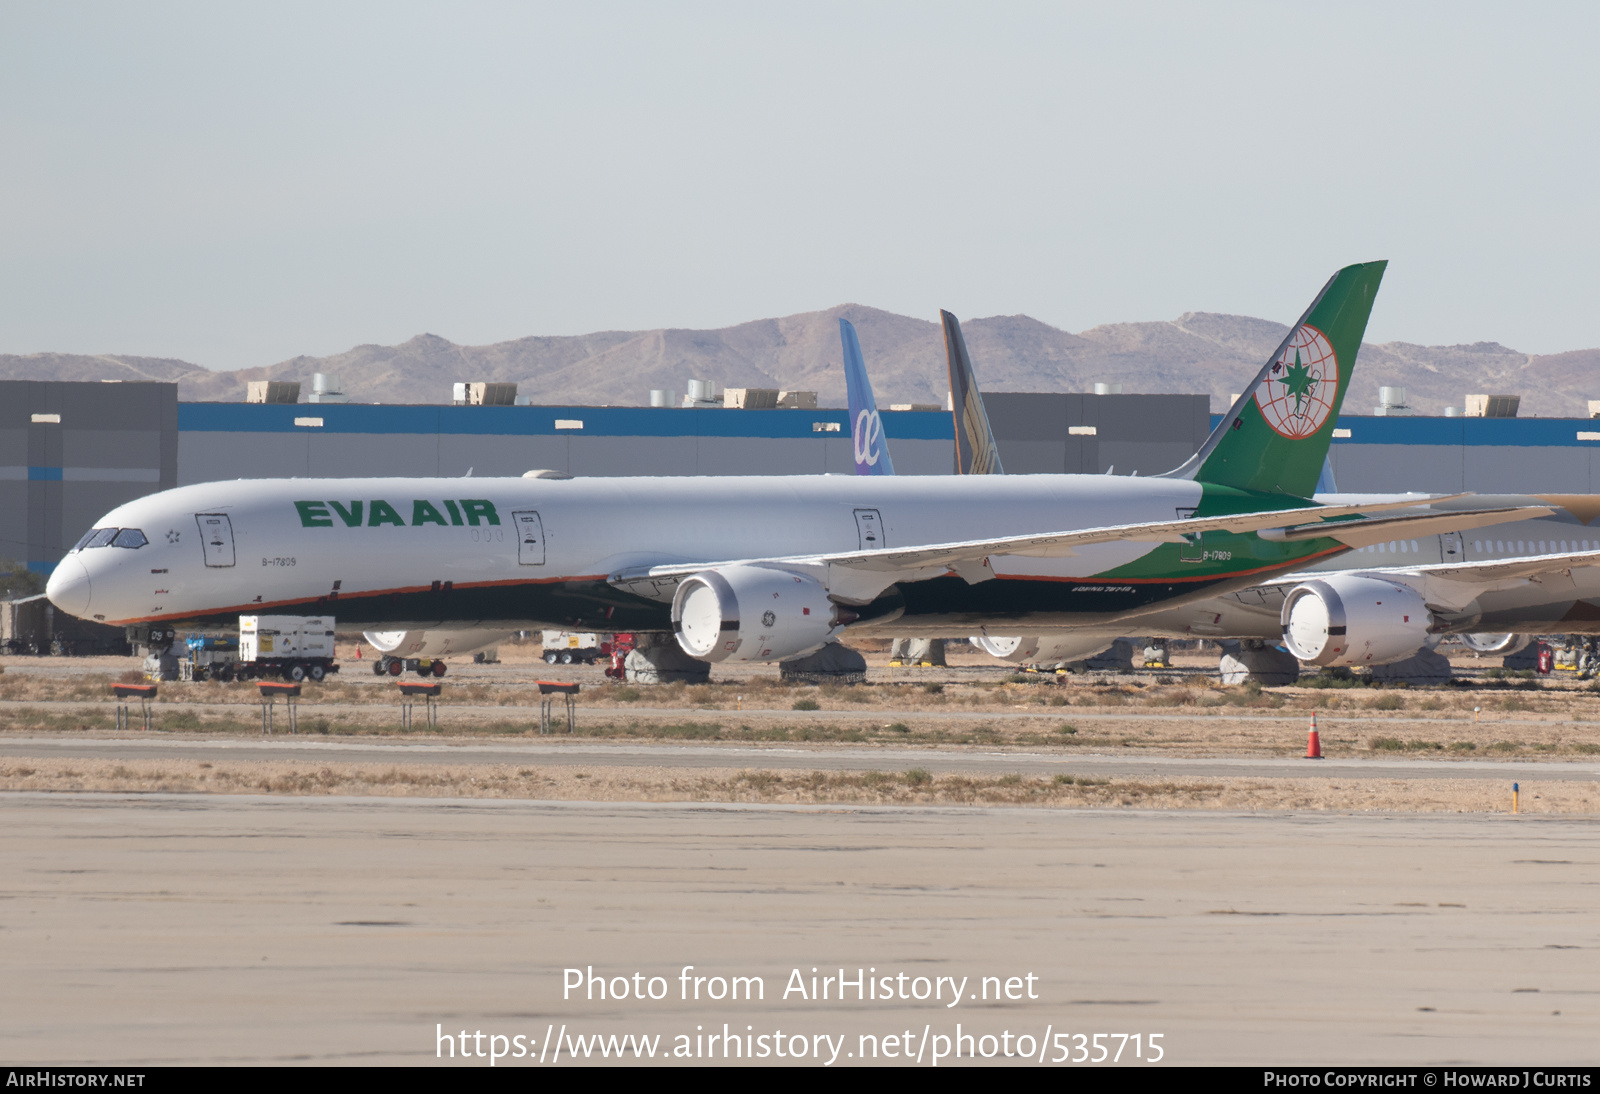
x,y
1499,645
1042,651
434,642
753,613
1355,620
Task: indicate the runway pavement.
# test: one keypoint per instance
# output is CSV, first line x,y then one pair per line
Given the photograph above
x,y
228,929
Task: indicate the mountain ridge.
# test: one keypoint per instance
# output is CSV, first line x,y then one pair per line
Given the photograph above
x,y
1198,352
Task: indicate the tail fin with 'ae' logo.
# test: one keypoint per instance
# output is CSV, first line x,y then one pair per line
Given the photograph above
x,y
866,428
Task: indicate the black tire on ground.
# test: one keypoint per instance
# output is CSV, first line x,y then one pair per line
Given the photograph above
x,y
316,672
439,668
377,667
396,667
568,657
551,657
295,672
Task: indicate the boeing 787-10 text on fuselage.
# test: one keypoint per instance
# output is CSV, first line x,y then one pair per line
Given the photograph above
x,y
765,568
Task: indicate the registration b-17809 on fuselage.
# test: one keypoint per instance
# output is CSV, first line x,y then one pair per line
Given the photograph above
x,y
764,569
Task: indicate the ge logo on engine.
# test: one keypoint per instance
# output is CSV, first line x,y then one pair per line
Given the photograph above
x,y
768,618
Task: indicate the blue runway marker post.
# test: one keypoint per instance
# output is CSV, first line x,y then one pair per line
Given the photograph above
x,y
1513,798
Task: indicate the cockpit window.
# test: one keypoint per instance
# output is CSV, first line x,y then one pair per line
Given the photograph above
x,y
97,538
129,537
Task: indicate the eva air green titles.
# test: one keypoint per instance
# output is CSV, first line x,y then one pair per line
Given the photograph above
x,y
470,512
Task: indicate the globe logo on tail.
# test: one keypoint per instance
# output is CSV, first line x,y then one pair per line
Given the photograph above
x,y
868,434
1302,385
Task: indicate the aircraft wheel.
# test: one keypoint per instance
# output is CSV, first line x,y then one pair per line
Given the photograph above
x,y
377,667
438,668
396,667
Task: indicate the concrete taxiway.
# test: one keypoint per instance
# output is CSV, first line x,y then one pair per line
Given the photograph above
x,y
148,929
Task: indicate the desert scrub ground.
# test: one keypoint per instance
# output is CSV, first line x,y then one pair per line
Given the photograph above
x,y
913,786
1488,716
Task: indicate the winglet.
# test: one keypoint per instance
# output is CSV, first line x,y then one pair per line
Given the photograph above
x,y
866,428
976,452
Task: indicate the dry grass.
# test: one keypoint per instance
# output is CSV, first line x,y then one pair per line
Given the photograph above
x,y
1180,712
1183,729
912,787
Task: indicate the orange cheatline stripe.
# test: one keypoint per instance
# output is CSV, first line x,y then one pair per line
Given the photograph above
x,y
330,604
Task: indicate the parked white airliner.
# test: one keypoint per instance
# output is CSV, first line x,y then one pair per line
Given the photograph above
x,y
766,569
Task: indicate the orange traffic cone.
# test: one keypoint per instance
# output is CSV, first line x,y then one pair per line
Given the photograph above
x,y
1313,745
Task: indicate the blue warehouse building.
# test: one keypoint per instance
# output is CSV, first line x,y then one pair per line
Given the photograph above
x,y
71,451
252,440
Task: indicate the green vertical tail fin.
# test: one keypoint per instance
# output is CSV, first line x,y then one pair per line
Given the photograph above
x,y
1275,436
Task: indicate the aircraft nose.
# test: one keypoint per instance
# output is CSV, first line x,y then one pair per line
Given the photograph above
x,y
68,587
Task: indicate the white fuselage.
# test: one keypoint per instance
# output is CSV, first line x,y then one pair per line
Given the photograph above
x,y
351,546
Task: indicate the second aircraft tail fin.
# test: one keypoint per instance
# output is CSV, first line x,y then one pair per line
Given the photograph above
x,y
866,427
976,451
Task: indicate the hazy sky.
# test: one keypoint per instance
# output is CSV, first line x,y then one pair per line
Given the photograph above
x,y
234,184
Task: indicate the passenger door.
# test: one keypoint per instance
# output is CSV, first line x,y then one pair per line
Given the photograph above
x,y
530,538
216,537
869,528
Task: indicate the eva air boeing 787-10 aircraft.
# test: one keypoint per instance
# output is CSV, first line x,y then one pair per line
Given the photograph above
x,y
766,568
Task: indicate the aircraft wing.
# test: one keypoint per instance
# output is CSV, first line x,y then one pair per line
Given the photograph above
x,y
1497,572
969,558
1454,585
1364,533
1527,568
